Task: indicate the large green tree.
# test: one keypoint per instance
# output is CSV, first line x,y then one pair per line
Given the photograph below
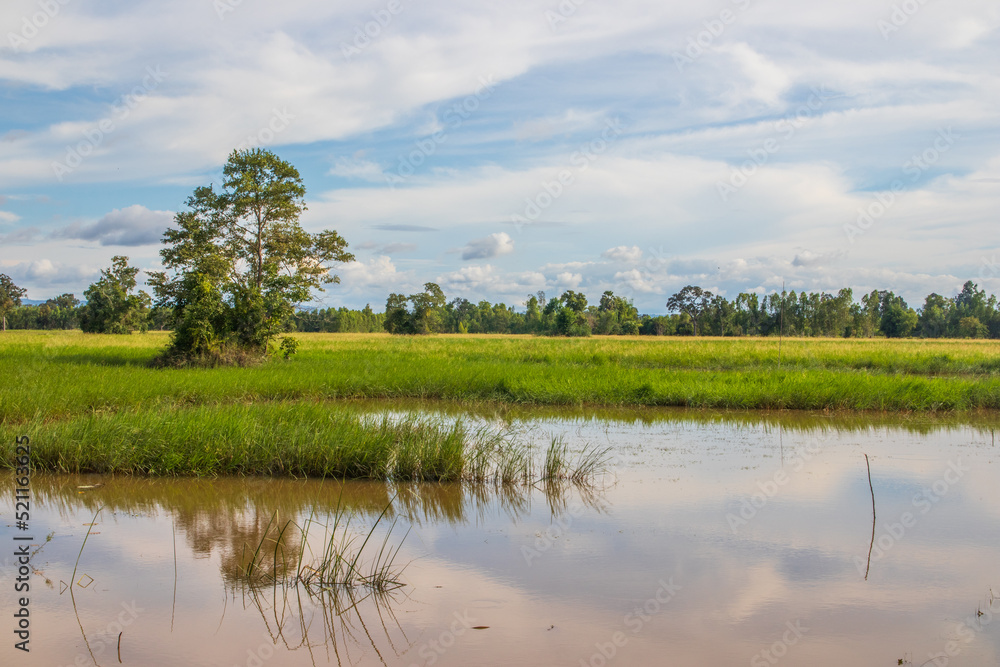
x,y
240,260
112,305
692,300
10,297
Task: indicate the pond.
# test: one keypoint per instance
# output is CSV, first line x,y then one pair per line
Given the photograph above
x,y
713,539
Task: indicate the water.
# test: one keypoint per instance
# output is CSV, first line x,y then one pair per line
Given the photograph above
x,y
717,539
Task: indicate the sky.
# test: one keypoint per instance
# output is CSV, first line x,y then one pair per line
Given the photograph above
x,y
503,148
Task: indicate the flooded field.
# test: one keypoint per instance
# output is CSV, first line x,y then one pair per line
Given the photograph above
x,y
714,539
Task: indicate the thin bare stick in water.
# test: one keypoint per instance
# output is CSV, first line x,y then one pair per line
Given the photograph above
x,y
72,582
174,607
872,544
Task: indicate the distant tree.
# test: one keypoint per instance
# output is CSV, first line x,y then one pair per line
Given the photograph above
x,y
971,302
428,309
693,301
575,301
571,323
425,314
933,319
898,321
397,319
112,306
971,327
10,297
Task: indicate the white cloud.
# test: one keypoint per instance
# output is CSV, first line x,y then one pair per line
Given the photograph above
x,y
569,280
378,272
132,226
365,170
638,281
623,254
484,281
493,245
44,273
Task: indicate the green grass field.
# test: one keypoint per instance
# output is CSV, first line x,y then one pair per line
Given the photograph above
x,y
79,388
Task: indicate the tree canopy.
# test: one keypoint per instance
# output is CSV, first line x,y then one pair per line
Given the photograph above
x,y
691,300
241,261
111,306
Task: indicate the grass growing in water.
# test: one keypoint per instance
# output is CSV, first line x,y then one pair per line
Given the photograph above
x,y
285,439
291,439
589,464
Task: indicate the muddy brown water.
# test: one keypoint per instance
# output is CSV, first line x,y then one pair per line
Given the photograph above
x,y
716,539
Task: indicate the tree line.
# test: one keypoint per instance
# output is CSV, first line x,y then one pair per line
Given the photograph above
x,y
972,313
114,306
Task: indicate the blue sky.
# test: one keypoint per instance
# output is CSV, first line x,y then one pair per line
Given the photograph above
x,y
499,149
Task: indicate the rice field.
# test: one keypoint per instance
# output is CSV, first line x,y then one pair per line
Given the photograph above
x,y
101,406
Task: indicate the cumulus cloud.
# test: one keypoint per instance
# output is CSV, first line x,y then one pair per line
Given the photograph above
x,y
376,272
623,254
7,216
493,245
638,281
132,226
484,281
44,273
569,280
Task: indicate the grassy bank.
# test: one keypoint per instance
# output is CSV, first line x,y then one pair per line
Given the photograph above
x,y
59,375
281,439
